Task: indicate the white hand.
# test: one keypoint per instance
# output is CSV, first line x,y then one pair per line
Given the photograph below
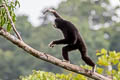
x,y
51,44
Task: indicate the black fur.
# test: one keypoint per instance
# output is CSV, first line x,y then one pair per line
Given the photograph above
x,y
72,38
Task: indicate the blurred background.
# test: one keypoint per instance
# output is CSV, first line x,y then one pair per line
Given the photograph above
x,y
97,20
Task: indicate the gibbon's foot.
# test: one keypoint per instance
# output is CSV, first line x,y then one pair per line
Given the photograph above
x,y
66,61
93,70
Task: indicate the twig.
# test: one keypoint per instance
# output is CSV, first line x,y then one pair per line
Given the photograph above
x,y
51,59
12,23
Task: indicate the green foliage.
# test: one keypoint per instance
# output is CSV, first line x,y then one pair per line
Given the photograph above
x,y
107,58
4,20
110,60
41,75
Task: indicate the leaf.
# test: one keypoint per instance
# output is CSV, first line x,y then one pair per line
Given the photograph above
x,y
17,3
100,70
113,71
118,66
112,54
2,21
118,56
8,27
114,61
103,61
103,51
14,17
97,54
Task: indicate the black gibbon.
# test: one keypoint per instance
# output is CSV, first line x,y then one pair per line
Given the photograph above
x,y
72,39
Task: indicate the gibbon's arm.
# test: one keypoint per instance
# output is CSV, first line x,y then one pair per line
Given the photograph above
x,y
54,13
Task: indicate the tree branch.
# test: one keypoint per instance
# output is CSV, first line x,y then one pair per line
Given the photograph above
x,y
12,23
51,59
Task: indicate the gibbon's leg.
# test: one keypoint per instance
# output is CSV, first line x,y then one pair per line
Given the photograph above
x,y
87,59
65,51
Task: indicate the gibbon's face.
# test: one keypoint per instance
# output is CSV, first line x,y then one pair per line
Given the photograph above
x,y
59,23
